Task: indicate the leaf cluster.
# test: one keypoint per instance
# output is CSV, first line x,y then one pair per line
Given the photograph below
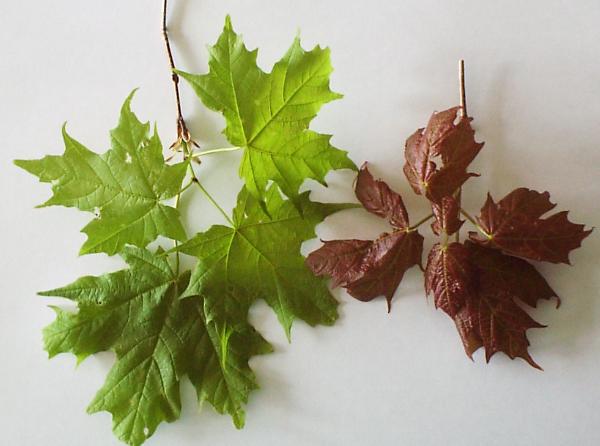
x,y
164,323
483,283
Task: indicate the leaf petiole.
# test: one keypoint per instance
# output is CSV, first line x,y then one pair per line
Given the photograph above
x,y
213,201
420,222
212,151
474,223
187,157
177,203
186,187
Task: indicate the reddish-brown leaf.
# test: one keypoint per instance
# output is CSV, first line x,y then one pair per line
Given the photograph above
x,y
467,324
493,321
446,216
453,143
390,256
459,147
449,276
423,146
368,269
502,323
514,276
491,316
515,226
339,259
483,284
377,198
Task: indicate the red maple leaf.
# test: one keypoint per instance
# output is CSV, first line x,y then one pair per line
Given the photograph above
x,y
515,226
483,284
491,316
446,216
372,268
453,143
449,276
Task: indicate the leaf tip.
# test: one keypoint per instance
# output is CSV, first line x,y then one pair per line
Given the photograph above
x,y
228,25
239,419
532,363
126,107
63,131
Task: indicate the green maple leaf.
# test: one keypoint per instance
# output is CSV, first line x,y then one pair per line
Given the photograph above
x,y
125,186
158,338
268,114
259,255
164,325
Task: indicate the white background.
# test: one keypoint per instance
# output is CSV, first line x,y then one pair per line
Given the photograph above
x,y
533,70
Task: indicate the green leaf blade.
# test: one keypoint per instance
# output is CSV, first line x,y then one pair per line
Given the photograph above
x,y
261,257
268,114
158,338
125,187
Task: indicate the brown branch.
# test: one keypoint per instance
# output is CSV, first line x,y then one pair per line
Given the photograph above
x,y
463,95
183,134
463,115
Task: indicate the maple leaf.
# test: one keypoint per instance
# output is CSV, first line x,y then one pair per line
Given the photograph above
x,y
126,186
492,317
368,269
259,255
515,276
446,215
482,283
442,138
268,114
449,276
158,338
480,289
515,226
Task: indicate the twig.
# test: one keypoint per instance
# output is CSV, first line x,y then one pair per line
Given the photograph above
x,y
183,134
463,115
463,95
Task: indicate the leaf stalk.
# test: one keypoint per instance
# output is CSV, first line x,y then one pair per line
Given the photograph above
x,y
474,222
420,222
212,151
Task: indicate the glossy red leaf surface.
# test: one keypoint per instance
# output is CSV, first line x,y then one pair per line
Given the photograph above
x,y
515,225
341,260
446,216
443,141
502,324
514,276
486,285
449,277
491,316
369,269
390,256
377,198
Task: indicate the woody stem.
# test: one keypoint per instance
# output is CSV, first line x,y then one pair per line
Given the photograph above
x,y
463,95
182,130
463,115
